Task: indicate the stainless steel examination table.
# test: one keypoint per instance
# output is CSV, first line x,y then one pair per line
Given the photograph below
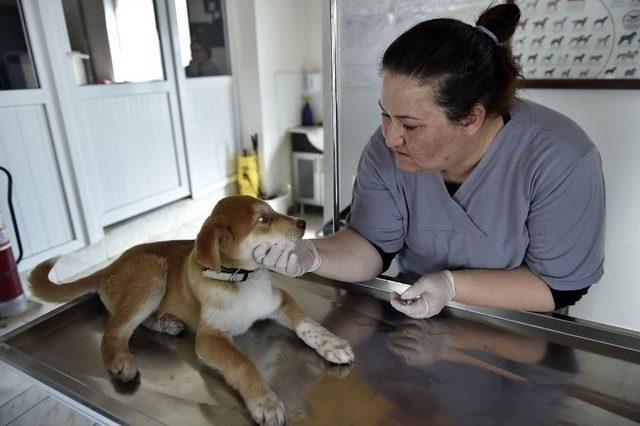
x,y
467,366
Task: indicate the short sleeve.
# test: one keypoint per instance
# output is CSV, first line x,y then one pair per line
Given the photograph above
x,y
374,210
566,227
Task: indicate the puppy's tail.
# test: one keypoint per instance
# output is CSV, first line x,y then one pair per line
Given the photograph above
x,y
41,286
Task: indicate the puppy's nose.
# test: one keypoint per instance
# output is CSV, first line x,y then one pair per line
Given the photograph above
x,y
301,223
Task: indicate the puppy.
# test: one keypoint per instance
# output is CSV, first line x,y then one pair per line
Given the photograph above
x,y
208,286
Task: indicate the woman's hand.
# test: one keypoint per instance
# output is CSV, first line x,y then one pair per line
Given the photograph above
x,y
427,296
287,257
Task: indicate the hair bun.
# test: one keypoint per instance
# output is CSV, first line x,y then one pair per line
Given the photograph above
x,y
501,20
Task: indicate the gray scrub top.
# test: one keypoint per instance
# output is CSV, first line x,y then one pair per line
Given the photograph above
x,y
536,197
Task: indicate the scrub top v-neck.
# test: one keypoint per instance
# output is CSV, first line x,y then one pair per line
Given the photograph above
x,y
536,197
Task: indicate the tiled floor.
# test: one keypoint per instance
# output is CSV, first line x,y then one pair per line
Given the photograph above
x,y
24,402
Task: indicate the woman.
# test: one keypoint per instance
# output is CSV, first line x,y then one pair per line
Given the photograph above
x,y
495,201
201,64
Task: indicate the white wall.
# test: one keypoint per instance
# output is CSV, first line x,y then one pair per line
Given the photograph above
x,y
608,118
313,61
313,21
244,57
286,43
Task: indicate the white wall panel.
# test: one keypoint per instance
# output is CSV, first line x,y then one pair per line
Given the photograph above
x,y
41,208
209,121
131,143
608,118
283,46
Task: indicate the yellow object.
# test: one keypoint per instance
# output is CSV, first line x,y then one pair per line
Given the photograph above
x,y
248,178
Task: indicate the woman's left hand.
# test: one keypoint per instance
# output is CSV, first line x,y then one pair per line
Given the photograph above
x,y
427,296
288,257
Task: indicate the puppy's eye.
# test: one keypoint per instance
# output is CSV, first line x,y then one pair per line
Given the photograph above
x,y
263,218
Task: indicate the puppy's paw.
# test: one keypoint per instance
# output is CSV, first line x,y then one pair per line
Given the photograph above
x,y
328,345
170,324
123,367
267,410
337,352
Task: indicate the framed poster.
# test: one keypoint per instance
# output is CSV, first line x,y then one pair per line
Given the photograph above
x,y
579,43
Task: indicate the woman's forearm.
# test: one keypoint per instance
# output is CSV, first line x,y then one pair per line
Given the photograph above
x,y
347,256
517,288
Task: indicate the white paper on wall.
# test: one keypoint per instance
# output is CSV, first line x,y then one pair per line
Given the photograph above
x,y
368,26
364,39
364,7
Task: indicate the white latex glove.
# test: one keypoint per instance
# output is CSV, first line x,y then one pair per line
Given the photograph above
x,y
287,257
433,291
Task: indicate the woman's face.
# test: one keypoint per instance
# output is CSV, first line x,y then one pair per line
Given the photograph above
x,y
197,53
422,138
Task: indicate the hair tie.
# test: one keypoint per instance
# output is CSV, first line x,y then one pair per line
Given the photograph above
x,y
487,32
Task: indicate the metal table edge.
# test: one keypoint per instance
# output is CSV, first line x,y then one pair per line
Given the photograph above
x,y
608,335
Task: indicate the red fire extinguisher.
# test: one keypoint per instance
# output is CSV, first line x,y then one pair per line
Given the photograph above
x,y
12,298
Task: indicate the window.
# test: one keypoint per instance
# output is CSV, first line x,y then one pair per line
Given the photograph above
x,y
203,40
16,62
113,41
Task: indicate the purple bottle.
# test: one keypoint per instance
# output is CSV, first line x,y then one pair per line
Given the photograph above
x,y
307,114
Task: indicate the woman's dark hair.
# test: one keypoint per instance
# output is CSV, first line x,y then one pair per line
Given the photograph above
x,y
464,65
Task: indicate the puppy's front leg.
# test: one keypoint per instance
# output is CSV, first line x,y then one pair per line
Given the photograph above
x,y
215,348
328,345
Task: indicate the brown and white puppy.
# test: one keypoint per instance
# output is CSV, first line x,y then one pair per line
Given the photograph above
x,y
167,286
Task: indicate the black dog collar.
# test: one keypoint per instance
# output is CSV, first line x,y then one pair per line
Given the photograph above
x,y
229,274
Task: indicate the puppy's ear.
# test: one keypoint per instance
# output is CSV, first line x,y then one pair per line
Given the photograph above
x,y
208,242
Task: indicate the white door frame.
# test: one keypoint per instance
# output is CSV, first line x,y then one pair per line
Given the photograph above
x,y
71,95
44,10
183,84
45,95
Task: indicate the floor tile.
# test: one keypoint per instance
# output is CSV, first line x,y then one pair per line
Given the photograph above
x,y
21,404
11,384
50,412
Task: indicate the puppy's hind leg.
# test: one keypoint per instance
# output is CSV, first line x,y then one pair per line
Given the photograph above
x,y
328,345
146,283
